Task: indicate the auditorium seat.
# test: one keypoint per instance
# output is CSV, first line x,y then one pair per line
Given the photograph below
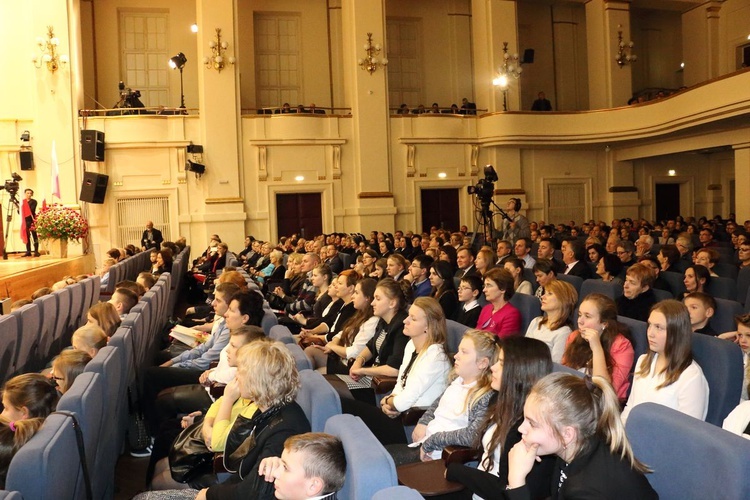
x,y
689,458
77,299
84,399
10,495
576,281
455,333
397,493
62,332
29,328
109,363
46,467
269,321
743,284
8,346
722,288
611,290
528,275
721,362
675,282
559,368
318,399
726,270
281,334
529,306
47,305
723,319
369,467
300,359
662,294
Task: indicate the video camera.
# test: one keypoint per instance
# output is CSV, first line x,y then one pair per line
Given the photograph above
x,y
485,188
11,185
129,99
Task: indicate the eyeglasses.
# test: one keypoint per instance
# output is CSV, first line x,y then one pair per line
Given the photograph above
x,y
464,288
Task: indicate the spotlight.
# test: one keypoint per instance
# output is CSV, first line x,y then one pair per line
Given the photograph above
x,y
198,168
26,136
178,61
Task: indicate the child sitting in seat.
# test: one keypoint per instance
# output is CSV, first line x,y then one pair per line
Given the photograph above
x,y
89,339
701,307
469,291
13,435
29,395
67,366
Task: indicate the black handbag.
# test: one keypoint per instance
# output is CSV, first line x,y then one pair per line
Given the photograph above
x,y
242,438
189,457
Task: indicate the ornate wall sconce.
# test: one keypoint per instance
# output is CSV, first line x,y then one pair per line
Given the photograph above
x,y
511,68
625,53
218,58
372,62
48,50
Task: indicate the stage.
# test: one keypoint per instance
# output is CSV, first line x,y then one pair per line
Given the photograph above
x,y
22,276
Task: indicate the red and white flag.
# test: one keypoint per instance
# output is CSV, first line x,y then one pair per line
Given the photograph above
x,y
55,172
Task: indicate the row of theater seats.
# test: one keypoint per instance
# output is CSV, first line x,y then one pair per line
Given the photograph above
x,y
32,335
49,465
126,269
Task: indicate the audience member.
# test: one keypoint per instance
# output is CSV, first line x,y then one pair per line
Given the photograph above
x,y
608,268
701,308
67,366
27,396
554,326
515,267
89,339
468,311
637,297
13,435
667,373
573,253
544,272
697,279
123,300
499,316
443,287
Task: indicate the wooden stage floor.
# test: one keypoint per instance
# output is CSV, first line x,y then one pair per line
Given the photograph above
x,y
22,276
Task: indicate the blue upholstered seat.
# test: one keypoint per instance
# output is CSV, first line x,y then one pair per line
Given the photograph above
x,y
318,399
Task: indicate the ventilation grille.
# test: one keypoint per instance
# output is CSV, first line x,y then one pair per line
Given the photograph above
x,y
132,214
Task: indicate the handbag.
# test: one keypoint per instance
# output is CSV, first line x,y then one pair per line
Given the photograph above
x,y
306,342
189,456
242,438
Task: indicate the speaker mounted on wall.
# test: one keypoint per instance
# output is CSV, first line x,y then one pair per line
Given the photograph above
x,y
92,145
94,187
27,160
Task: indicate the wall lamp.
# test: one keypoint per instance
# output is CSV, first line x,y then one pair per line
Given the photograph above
x,y
511,68
218,53
371,62
625,53
48,50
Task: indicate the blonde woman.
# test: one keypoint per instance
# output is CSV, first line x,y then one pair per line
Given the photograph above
x,y
554,326
104,315
89,339
66,367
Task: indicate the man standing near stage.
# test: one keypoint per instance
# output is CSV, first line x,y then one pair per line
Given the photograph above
x,y
151,238
28,214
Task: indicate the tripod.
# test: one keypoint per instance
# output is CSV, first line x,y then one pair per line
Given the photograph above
x,y
485,221
13,200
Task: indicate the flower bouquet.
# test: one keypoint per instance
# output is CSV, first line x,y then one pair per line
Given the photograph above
x,y
60,223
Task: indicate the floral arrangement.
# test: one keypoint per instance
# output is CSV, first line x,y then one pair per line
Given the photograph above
x,y
59,222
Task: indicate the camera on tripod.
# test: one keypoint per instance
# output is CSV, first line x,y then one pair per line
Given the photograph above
x,y
11,185
485,188
129,99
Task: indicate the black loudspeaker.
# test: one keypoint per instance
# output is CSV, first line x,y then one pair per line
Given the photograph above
x,y
94,187
92,145
528,56
27,160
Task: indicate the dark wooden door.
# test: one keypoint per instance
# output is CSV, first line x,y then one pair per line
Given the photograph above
x,y
667,201
299,213
440,208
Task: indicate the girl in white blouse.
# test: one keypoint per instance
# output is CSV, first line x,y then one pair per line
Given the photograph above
x,y
553,328
667,374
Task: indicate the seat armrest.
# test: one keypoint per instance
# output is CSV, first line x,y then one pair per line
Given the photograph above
x,y
460,455
412,415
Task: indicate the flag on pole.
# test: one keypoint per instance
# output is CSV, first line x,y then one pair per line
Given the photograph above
x,y
55,172
25,212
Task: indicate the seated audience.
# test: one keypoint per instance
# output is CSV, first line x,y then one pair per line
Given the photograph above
x,y
15,306
545,271
104,315
707,257
321,281
67,366
312,465
521,363
332,324
697,279
104,273
146,280
701,307
469,290
41,292
515,267
577,421
667,373
397,266
27,396
89,339
484,261
123,300
598,348
637,297
422,376
554,326
420,275
499,316
608,268
13,435
443,287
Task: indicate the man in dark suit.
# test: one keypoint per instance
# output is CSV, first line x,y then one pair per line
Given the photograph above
x,y
546,250
542,103
465,261
28,212
333,260
573,251
151,238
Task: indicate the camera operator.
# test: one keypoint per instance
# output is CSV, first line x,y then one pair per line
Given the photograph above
x,y
518,225
28,216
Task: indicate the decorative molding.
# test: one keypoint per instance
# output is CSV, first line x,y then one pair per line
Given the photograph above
x,y
623,189
714,187
216,201
411,151
146,145
374,194
437,140
262,164
117,183
298,142
511,191
321,177
336,161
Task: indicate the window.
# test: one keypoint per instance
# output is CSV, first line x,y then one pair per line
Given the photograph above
x,y
132,214
403,43
277,59
143,45
565,202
